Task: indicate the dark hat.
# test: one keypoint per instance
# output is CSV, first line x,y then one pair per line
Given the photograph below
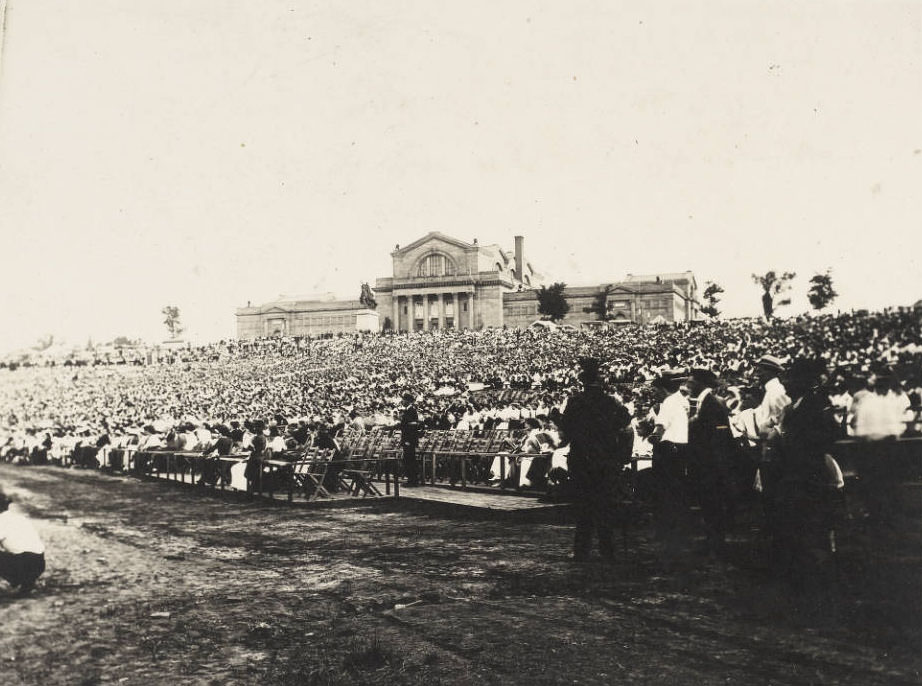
x,y
660,382
883,373
807,369
704,376
408,396
770,362
670,379
590,367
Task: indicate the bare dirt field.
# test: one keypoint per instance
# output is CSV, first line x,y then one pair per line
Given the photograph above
x,y
153,583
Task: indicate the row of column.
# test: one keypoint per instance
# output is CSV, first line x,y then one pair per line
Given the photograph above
x,y
433,310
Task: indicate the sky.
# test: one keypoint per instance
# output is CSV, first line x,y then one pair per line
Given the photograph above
x,y
210,153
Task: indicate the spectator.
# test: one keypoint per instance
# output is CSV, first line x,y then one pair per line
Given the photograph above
x,y
22,553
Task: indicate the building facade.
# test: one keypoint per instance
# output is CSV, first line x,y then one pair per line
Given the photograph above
x,y
305,317
440,282
631,302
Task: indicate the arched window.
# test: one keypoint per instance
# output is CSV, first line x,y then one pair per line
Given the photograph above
x,y
436,265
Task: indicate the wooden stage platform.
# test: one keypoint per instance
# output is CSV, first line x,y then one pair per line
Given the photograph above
x,y
497,502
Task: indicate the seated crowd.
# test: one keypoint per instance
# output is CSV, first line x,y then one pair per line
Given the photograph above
x,y
296,391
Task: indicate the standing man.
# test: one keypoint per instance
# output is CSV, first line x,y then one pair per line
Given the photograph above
x,y
22,553
598,429
767,415
810,482
767,421
711,449
670,448
409,438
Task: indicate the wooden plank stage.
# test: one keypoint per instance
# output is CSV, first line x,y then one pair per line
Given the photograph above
x,y
499,502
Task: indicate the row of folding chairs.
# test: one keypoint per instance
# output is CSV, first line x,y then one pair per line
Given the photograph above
x,y
317,473
464,456
444,455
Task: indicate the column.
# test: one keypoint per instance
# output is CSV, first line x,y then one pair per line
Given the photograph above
x,y
425,311
441,311
411,311
395,320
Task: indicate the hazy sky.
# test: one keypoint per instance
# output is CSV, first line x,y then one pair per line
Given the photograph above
x,y
207,153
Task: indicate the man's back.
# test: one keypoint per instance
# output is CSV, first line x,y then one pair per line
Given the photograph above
x,y
595,424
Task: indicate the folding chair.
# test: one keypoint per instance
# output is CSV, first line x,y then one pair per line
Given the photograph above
x,y
358,482
310,474
452,454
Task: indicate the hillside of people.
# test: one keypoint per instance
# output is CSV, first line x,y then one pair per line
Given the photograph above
x,y
291,388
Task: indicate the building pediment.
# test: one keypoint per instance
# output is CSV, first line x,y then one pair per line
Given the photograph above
x,y
432,236
620,288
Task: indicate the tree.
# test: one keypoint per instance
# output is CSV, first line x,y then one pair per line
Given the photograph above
x,y
44,343
774,285
821,292
599,305
171,320
552,303
711,297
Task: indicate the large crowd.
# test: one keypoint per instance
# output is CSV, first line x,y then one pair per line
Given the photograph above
x,y
292,389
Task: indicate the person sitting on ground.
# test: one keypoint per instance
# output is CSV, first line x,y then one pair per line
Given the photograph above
x,y
22,553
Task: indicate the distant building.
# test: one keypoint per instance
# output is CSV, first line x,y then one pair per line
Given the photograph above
x,y
633,301
305,316
440,282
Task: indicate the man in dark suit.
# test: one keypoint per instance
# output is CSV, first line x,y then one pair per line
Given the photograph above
x,y
809,494
711,449
598,429
409,438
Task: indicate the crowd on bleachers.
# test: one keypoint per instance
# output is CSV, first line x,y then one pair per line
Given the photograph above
x,y
291,390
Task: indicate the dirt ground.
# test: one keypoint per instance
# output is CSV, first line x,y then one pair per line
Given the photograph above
x,y
153,583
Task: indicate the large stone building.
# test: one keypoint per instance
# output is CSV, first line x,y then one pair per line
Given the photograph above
x,y
440,282
306,316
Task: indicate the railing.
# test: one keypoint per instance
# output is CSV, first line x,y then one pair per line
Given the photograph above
x,y
311,473
368,464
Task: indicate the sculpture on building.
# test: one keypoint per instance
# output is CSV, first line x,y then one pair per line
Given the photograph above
x,y
367,298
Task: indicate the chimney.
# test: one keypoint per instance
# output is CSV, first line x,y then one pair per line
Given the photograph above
x,y
519,257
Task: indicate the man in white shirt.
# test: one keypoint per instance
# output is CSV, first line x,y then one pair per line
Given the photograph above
x,y
882,413
670,443
22,553
767,415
